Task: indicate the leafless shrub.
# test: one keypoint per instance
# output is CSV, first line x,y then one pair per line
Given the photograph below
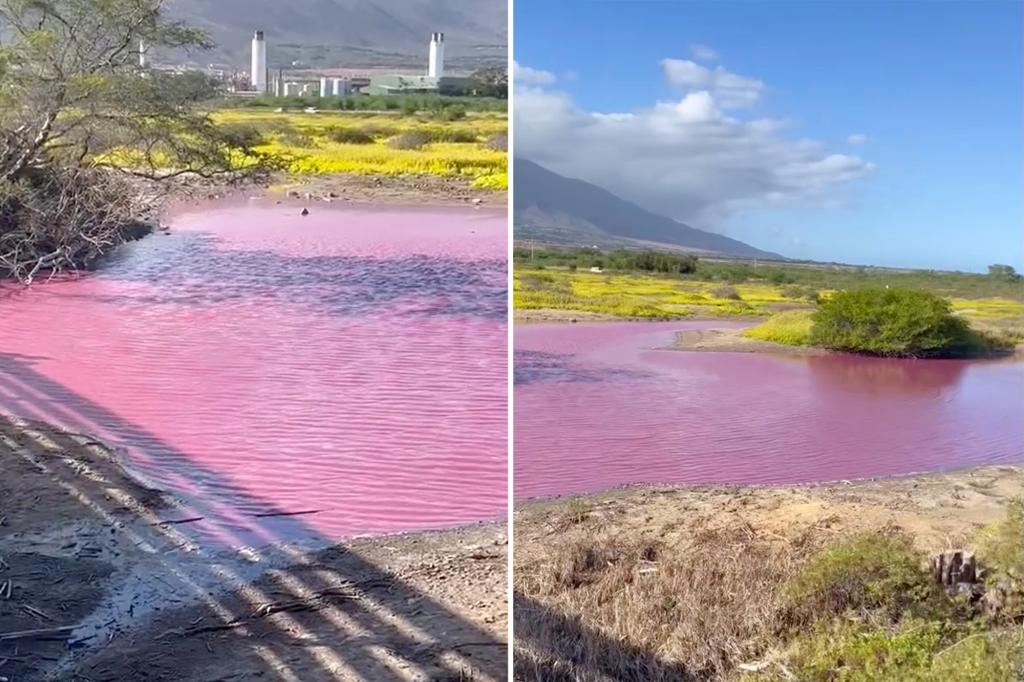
x,y
498,142
55,220
413,139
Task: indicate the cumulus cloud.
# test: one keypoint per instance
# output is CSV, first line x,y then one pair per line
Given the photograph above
x,y
703,53
858,138
691,158
524,75
731,90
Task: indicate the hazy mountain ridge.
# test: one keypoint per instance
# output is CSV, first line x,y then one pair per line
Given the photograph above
x,y
352,33
556,209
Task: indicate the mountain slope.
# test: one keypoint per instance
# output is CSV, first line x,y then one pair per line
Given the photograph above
x,y
352,33
554,208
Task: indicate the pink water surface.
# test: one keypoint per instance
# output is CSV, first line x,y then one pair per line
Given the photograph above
x,y
351,363
601,405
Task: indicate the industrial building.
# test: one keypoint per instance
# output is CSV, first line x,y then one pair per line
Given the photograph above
x,y
416,85
435,81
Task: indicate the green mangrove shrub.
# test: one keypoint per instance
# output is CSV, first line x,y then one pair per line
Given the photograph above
x,y
893,322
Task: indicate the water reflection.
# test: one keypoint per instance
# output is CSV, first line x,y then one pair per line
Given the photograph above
x,y
886,377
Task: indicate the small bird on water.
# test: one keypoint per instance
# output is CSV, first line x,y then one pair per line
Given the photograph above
x,y
305,211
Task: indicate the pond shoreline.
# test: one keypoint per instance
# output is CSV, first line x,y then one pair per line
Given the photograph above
x,y
912,479
723,340
140,595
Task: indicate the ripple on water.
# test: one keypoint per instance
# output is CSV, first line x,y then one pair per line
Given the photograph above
x,y
351,363
597,406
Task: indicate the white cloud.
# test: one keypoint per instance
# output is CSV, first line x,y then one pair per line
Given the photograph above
x,y
524,75
858,138
732,90
703,53
686,158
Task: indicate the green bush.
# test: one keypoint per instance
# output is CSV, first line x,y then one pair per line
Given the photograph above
x,y
455,112
877,572
892,322
242,134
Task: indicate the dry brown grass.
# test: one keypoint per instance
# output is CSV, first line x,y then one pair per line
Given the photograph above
x,y
691,584
653,611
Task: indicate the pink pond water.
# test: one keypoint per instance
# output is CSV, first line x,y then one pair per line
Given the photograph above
x,y
601,405
351,364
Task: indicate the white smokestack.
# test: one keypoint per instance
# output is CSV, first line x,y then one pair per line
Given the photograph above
x,y
436,67
142,54
259,63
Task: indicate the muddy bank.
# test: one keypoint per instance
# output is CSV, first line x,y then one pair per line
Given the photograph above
x,y
733,341
936,508
390,189
101,579
555,315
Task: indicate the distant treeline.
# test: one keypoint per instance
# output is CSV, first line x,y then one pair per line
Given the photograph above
x,y
622,259
410,104
1000,281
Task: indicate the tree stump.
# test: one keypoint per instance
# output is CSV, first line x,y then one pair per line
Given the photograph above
x,y
954,568
957,571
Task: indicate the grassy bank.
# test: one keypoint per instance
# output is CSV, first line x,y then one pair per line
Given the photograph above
x,y
818,583
470,146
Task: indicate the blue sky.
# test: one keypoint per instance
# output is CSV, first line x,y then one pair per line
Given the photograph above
x,y
911,115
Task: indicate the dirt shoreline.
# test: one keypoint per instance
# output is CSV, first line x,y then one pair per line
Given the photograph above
x,y
959,501
96,584
342,188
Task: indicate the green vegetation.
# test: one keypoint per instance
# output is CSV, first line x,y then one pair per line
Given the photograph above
x,y
914,650
885,322
893,322
437,106
1003,547
1006,272
823,277
866,610
620,260
877,572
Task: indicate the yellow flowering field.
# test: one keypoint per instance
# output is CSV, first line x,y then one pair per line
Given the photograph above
x,y
325,143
